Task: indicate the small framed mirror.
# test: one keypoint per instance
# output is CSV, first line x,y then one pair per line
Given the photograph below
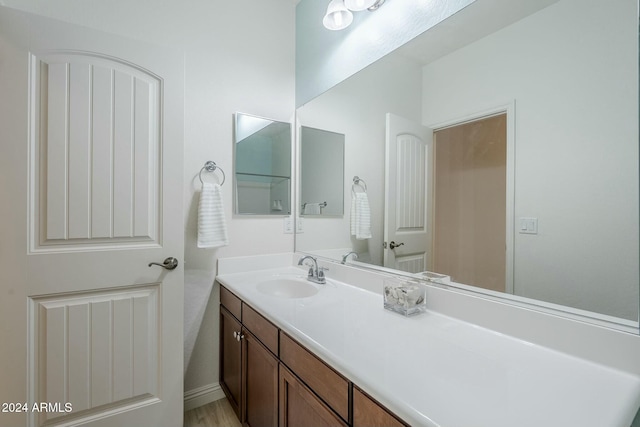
x,y
321,172
262,150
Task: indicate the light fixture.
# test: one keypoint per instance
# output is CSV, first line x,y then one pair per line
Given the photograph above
x,y
358,5
375,5
338,16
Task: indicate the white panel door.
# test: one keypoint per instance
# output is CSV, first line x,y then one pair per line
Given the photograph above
x,y
408,185
91,193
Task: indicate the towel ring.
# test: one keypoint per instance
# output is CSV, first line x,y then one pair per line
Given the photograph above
x,y
358,181
211,166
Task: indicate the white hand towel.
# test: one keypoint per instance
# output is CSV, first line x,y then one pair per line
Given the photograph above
x,y
312,209
360,216
352,220
212,227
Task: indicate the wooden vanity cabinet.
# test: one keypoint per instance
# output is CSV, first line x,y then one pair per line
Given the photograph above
x,y
231,302
248,367
270,379
231,359
299,406
260,380
330,386
369,413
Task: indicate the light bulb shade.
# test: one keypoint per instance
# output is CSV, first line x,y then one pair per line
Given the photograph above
x,y
357,5
337,16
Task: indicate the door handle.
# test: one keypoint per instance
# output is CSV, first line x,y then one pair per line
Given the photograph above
x,y
394,245
170,263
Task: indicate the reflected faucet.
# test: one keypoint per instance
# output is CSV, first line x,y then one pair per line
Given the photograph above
x,y
345,256
316,275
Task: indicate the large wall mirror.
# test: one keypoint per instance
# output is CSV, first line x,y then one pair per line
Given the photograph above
x,y
262,166
508,147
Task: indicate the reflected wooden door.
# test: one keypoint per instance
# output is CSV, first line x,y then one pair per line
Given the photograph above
x,y
470,202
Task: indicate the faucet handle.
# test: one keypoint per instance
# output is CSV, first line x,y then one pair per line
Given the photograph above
x,y
321,271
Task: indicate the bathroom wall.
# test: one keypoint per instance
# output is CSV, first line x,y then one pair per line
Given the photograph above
x,y
576,166
357,109
325,58
239,57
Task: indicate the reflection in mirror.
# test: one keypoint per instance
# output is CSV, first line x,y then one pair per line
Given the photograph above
x,y
262,166
562,83
321,172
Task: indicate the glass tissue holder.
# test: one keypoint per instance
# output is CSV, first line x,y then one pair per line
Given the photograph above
x,y
404,296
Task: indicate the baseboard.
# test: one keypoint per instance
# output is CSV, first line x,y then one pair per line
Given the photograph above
x,y
202,396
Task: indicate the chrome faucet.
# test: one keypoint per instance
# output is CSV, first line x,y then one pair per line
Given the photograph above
x,y
345,256
315,274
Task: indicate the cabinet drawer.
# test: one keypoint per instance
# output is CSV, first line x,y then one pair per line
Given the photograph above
x,y
264,330
324,381
231,302
368,413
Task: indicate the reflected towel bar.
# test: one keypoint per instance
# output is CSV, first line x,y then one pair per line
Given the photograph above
x,y
358,181
322,205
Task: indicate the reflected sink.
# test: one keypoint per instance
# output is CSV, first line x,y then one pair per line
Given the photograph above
x,y
287,288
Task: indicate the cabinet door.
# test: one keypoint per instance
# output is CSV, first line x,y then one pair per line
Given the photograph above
x,y
231,359
299,406
260,380
368,413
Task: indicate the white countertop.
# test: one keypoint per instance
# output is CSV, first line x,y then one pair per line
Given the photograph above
x,y
435,370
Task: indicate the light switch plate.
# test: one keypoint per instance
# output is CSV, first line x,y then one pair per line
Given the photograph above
x,y
288,225
528,226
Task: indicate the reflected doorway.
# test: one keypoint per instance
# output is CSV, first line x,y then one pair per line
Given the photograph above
x,y
470,206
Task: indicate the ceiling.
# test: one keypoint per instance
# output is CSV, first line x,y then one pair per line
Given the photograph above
x,y
470,24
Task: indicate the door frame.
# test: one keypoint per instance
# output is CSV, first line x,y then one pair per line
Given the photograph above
x,y
508,108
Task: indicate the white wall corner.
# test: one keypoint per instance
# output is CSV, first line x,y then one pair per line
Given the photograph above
x,y
202,396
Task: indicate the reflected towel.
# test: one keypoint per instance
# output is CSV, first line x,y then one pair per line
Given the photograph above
x,y
360,216
212,227
312,209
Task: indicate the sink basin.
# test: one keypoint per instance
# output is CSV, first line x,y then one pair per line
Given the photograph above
x,y
287,288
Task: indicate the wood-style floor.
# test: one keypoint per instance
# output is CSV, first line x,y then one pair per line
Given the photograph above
x,y
215,414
